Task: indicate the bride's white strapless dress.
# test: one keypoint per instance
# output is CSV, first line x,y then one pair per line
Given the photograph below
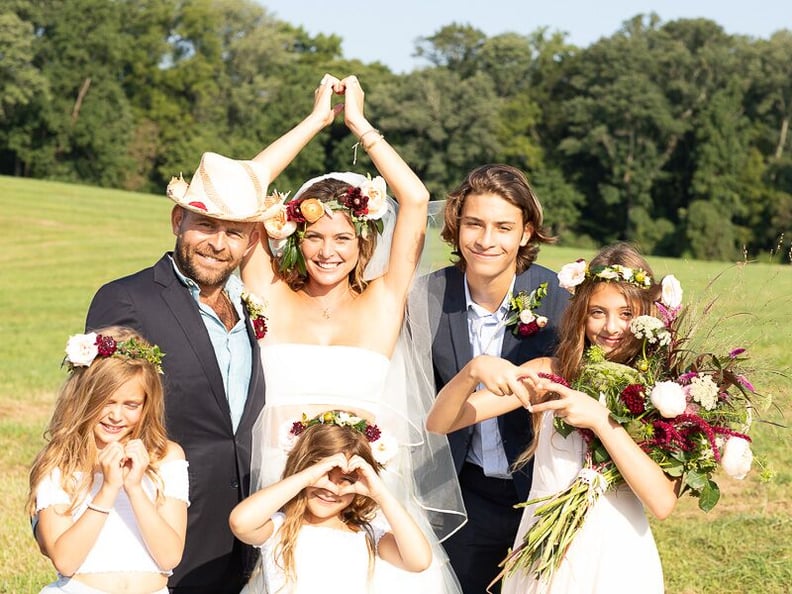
x,y
309,379
614,552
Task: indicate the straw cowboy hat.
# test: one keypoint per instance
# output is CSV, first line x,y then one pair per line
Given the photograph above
x,y
225,189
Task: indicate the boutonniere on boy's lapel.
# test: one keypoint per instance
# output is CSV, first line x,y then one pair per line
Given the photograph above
x,y
521,318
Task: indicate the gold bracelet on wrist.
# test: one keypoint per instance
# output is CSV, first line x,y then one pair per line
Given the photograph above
x,y
379,137
366,147
366,133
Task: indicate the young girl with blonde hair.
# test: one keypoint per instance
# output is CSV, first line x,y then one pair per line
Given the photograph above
x,y
315,527
108,492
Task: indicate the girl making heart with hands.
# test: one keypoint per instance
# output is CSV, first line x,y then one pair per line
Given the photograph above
x,y
108,492
315,524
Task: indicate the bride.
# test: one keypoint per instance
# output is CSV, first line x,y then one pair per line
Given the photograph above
x,y
333,269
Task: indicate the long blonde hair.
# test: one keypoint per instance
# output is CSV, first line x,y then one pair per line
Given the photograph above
x,y
71,447
314,444
572,330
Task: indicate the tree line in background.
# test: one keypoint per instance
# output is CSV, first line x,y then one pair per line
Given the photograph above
x,y
674,135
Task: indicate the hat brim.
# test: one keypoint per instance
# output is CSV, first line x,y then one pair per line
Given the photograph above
x,y
177,191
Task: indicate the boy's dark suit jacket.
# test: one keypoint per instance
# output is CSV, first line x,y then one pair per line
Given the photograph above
x,y
161,309
451,350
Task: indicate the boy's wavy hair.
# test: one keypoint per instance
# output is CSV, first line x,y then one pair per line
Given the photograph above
x,y
510,184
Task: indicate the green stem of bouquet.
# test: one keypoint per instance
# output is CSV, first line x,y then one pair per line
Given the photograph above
x,y
558,520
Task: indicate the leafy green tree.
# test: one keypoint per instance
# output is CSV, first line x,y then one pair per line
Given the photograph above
x,y
444,128
709,234
455,46
621,129
561,203
21,81
80,130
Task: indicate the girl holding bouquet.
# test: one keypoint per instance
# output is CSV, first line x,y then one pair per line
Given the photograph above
x,y
613,550
314,525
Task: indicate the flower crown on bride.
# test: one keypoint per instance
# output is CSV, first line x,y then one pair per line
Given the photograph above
x,y
383,447
365,202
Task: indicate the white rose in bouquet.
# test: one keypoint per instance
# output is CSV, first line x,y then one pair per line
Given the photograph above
x,y
669,399
737,457
672,292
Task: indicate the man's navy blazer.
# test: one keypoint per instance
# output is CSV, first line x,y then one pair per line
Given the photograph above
x,y
156,304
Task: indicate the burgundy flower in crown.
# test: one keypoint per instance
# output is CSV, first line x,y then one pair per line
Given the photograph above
x,y
355,201
105,345
293,212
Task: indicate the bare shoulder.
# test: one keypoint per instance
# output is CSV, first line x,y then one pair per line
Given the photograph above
x,y
174,452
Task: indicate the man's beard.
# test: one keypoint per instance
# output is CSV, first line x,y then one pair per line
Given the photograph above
x,y
205,277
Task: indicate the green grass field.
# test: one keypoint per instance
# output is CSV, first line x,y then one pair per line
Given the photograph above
x,y
61,242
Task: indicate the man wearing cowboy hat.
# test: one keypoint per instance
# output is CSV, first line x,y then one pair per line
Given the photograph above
x,y
190,304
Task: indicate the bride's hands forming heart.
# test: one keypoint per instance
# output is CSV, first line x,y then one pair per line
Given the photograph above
x,y
353,101
323,95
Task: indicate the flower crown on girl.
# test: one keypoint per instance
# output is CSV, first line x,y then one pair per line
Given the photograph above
x,y
365,201
574,273
83,349
383,447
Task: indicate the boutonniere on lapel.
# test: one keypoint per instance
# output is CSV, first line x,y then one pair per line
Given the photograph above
x,y
256,308
521,317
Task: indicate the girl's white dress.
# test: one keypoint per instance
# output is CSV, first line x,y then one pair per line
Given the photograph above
x,y
309,379
326,560
614,552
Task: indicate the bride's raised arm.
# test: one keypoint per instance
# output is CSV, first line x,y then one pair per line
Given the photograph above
x,y
256,268
408,190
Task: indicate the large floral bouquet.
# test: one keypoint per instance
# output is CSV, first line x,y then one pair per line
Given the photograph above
x,y
689,411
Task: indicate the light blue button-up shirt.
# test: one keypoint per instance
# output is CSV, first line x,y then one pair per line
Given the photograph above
x,y
485,331
232,348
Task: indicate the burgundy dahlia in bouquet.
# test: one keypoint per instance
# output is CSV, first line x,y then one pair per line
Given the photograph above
x,y
689,410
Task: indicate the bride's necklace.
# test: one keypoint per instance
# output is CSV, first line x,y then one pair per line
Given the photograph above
x,y
327,309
